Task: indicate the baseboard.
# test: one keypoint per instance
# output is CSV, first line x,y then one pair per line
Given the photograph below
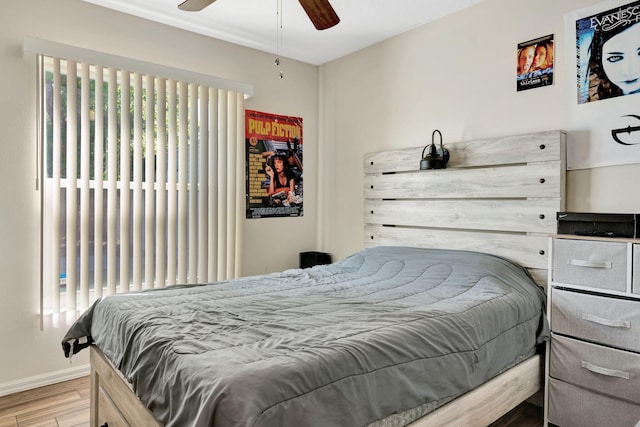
x,y
44,379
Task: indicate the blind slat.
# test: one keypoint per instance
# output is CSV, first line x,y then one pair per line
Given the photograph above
x,y
85,164
239,207
56,201
203,186
222,185
98,216
172,182
149,180
125,180
136,248
183,183
161,193
231,184
212,242
112,189
71,179
193,184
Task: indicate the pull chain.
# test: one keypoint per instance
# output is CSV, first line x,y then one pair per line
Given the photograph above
x,y
279,38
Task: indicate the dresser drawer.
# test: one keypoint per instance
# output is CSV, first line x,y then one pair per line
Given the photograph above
x,y
587,263
603,369
636,269
605,320
572,406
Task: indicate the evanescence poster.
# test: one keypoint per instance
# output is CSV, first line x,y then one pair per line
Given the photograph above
x,y
603,62
274,165
607,53
535,63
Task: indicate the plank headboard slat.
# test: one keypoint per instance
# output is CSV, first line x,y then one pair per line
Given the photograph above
x,y
525,148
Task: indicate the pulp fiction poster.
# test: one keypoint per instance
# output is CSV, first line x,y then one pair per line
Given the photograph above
x,y
535,60
604,96
273,165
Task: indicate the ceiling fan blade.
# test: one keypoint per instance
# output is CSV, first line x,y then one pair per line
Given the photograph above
x,y
321,13
194,5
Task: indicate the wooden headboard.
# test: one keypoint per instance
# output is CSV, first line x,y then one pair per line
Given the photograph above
x,y
497,195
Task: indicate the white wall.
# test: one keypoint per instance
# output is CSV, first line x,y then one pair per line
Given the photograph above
x,y
270,244
456,75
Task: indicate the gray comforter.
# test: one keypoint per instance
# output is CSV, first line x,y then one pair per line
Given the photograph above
x,y
382,331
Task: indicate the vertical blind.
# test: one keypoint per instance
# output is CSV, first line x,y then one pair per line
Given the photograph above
x,y
141,177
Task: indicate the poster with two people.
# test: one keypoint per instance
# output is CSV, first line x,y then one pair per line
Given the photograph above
x,y
273,165
535,63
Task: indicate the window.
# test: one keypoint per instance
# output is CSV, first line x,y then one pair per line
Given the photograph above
x,y
141,182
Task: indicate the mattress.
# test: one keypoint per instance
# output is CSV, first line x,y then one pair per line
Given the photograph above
x,y
385,330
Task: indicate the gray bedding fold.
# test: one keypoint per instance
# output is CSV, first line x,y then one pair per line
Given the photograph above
x,y
385,330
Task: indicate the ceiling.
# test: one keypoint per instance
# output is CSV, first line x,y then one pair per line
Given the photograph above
x,y
255,23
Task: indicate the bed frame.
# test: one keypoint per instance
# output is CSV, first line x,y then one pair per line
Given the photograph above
x,y
497,195
114,404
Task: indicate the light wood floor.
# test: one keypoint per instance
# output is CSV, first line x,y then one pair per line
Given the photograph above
x,y
64,404
67,405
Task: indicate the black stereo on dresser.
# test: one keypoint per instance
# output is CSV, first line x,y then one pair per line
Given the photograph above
x,y
599,224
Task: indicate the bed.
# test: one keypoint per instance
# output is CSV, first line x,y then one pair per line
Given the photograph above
x,y
436,321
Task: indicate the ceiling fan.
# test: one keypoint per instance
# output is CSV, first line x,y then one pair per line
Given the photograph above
x,y
319,11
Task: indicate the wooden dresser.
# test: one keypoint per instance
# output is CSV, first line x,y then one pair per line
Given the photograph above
x,y
593,360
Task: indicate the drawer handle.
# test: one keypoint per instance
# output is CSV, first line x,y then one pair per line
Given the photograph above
x,y
606,322
604,371
591,264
